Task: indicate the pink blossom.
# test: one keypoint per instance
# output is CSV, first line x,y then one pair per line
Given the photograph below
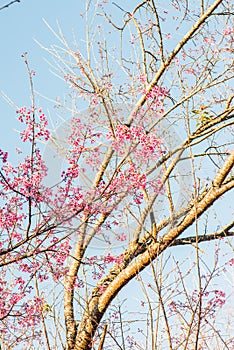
x,y
229,30
190,71
121,237
3,156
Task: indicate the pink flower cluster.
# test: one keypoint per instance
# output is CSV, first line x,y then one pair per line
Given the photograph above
x,y
100,264
3,156
211,302
109,259
9,217
36,124
156,95
129,180
142,145
62,252
13,303
228,31
27,178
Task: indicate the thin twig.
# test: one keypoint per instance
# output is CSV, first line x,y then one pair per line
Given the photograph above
x,y
9,4
103,337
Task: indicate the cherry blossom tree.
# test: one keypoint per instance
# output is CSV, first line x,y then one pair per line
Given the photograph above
x,y
116,227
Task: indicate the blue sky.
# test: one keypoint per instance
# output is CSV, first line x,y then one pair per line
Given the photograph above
x,y
20,24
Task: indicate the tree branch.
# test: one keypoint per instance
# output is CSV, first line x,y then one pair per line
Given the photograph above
x,y
173,53
99,303
9,4
225,232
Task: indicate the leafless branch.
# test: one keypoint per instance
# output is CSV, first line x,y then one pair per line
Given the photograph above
x,y
9,4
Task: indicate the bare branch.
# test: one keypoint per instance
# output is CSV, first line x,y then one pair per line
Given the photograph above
x,y
9,4
224,232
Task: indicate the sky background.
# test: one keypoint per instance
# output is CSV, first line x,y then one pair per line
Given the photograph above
x,y
20,25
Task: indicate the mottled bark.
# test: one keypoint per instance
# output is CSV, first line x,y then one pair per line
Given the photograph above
x,y
115,281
